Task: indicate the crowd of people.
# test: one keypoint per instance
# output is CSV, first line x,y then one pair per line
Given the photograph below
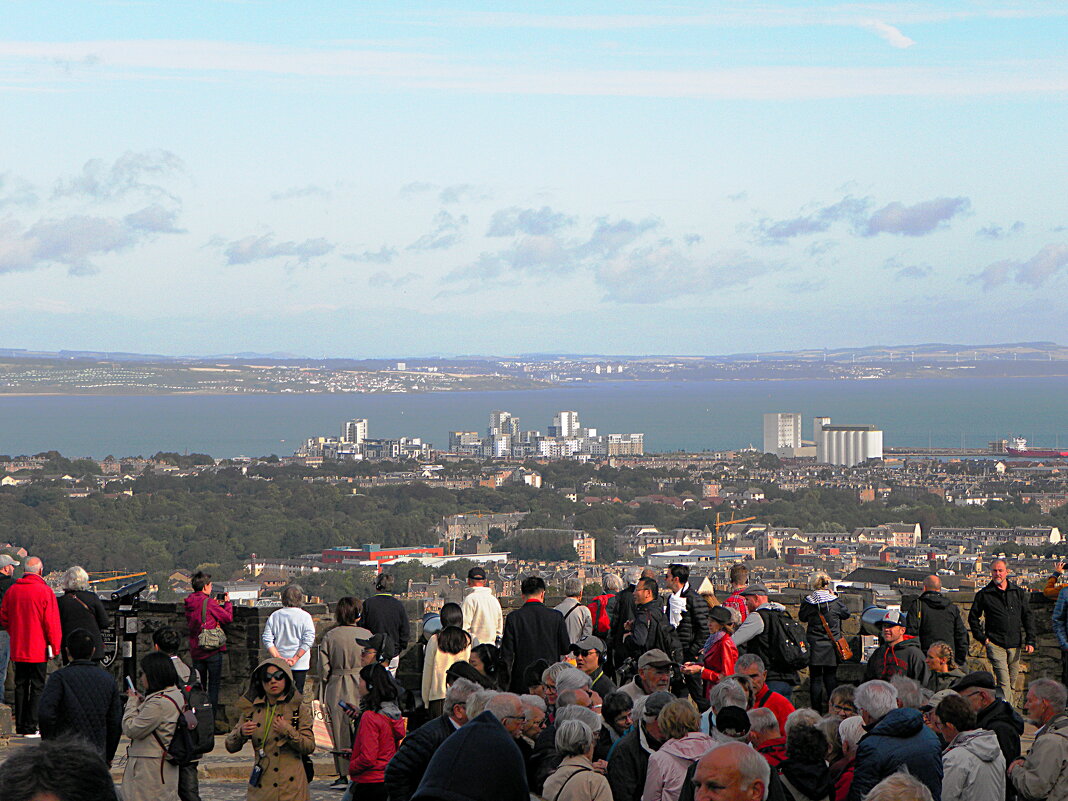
x,y
650,691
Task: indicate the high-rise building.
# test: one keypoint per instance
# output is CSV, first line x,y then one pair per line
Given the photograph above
x,y
502,424
354,432
782,433
847,445
565,424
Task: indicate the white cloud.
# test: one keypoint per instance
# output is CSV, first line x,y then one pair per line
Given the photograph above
x,y
888,33
128,174
258,248
1049,262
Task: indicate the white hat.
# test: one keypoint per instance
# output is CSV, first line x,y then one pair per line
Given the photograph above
x,y
6,560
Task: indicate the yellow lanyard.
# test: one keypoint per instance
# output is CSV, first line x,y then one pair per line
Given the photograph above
x,y
267,730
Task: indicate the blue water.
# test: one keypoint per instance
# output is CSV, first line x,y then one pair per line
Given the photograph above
x,y
690,416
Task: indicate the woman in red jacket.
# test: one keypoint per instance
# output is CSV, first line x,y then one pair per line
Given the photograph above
x,y
720,652
379,731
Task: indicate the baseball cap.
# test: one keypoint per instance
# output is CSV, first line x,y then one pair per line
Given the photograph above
x,y
587,643
893,617
654,658
477,574
983,679
6,560
755,589
655,703
936,699
376,641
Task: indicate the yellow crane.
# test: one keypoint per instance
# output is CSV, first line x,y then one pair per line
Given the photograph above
x,y
110,577
720,524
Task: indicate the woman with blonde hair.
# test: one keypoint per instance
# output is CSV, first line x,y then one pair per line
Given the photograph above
x,y
823,612
81,608
685,745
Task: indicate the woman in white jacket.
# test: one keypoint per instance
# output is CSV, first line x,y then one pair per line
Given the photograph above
x,y
289,634
451,644
973,767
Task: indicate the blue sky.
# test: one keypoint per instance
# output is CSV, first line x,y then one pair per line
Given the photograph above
x,y
357,179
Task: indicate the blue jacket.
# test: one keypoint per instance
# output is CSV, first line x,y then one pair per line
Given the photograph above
x,y
1060,619
898,741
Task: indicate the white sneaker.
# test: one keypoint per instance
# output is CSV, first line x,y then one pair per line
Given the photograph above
x,y
36,735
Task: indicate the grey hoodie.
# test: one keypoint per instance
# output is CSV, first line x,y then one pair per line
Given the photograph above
x,y
973,768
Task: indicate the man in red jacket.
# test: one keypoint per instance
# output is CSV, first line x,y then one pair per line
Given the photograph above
x,y
31,616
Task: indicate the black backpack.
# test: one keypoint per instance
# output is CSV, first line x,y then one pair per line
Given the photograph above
x,y
181,750
787,641
198,702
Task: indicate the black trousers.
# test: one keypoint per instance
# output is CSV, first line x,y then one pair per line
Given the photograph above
x,y
822,681
29,681
299,677
188,783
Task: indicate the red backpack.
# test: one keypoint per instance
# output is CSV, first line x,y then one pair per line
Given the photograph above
x,y
599,611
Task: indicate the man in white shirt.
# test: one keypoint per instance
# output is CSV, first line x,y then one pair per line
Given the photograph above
x,y
577,616
483,618
289,634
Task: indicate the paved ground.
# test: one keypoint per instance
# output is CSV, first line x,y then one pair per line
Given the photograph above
x,y
235,791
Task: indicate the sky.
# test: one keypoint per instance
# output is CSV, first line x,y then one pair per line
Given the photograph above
x,y
404,179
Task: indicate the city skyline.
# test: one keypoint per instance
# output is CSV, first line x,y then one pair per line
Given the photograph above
x,y
612,178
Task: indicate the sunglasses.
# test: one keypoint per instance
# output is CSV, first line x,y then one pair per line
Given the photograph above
x,y
274,676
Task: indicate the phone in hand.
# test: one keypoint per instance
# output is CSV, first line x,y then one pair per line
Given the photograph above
x,y
220,597
346,705
130,685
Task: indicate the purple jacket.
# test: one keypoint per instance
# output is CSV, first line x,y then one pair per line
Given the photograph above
x,y
217,614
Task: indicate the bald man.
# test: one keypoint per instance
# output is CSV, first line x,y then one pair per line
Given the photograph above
x,y
31,616
731,772
934,618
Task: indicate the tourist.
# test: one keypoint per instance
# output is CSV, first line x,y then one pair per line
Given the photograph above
x,y
1043,773
752,667
482,611
384,614
897,655
339,665
628,761
896,739
942,668
167,641
731,772
604,609
654,675
1001,620
850,731
275,717
755,637
589,655
617,710
535,721
650,629
719,653
804,772
450,644
81,608
149,721
900,787
1060,629
823,612
683,744
532,632
378,731
486,659
688,616
30,615
623,617
82,700
910,692
205,617
765,735
7,568
56,770
973,767
993,713
576,779
289,634
935,618
577,616
930,720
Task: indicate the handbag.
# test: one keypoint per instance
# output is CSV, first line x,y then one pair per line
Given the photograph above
x,y
841,645
210,639
324,736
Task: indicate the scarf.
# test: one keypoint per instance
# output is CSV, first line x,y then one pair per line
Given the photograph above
x,y
712,640
676,606
821,597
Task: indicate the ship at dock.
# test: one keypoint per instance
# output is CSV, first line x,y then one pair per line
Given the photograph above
x,y
1018,447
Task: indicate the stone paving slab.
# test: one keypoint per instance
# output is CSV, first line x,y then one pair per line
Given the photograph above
x,y
236,791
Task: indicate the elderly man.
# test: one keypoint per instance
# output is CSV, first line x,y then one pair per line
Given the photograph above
x,y
30,614
898,655
731,772
993,713
629,760
897,738
752,667
972,764
654,675
577,616
934,618
755,636
483,618
1001,620
589,653
1043,773
766,737
406,769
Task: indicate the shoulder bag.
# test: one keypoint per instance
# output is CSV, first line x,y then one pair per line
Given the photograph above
x,y
210,639
841,645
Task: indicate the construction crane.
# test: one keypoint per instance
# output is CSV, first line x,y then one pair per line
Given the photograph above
x,y
110,577
720,524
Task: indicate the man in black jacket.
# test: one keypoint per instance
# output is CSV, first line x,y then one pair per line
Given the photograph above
x,y
384,614
1009,629
898,655
933,617
628,761
688,615
623,614
406,769
650,628
82,699
994,714
532,632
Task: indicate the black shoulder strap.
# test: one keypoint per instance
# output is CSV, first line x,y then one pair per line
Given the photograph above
x,y
572,609
569,778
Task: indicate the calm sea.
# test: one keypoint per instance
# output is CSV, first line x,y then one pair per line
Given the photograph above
x,y
690,416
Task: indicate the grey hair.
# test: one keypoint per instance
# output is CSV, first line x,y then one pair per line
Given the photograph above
x,y
728,693
819,581
763,720
747,660
566,698
501,705
572,679
632,574
573,737
611,582
909,691
829,726
573,587
850,731
554,670
293,595
476,702
533,702
33,564
801,717
585,714
876,697
75,578
751,764
1050,690
899,787
459,692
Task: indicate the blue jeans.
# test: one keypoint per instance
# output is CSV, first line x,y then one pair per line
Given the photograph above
x,y
5,657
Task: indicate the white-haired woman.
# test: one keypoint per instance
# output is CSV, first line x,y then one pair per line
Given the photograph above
x,y
81,608
576,779
823,612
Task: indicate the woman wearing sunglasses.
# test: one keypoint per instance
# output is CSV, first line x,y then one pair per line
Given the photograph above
x,y
275,717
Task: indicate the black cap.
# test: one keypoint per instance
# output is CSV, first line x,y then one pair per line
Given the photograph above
x,y
477,574
720,614
376,641
977,678
733,721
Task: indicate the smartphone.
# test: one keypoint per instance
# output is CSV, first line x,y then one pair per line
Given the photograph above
x,y
344,705
130,684
220,597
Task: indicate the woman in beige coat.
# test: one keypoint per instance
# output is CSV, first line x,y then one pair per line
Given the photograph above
x,y
149,722
450,645
275,717
576,779
339,678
